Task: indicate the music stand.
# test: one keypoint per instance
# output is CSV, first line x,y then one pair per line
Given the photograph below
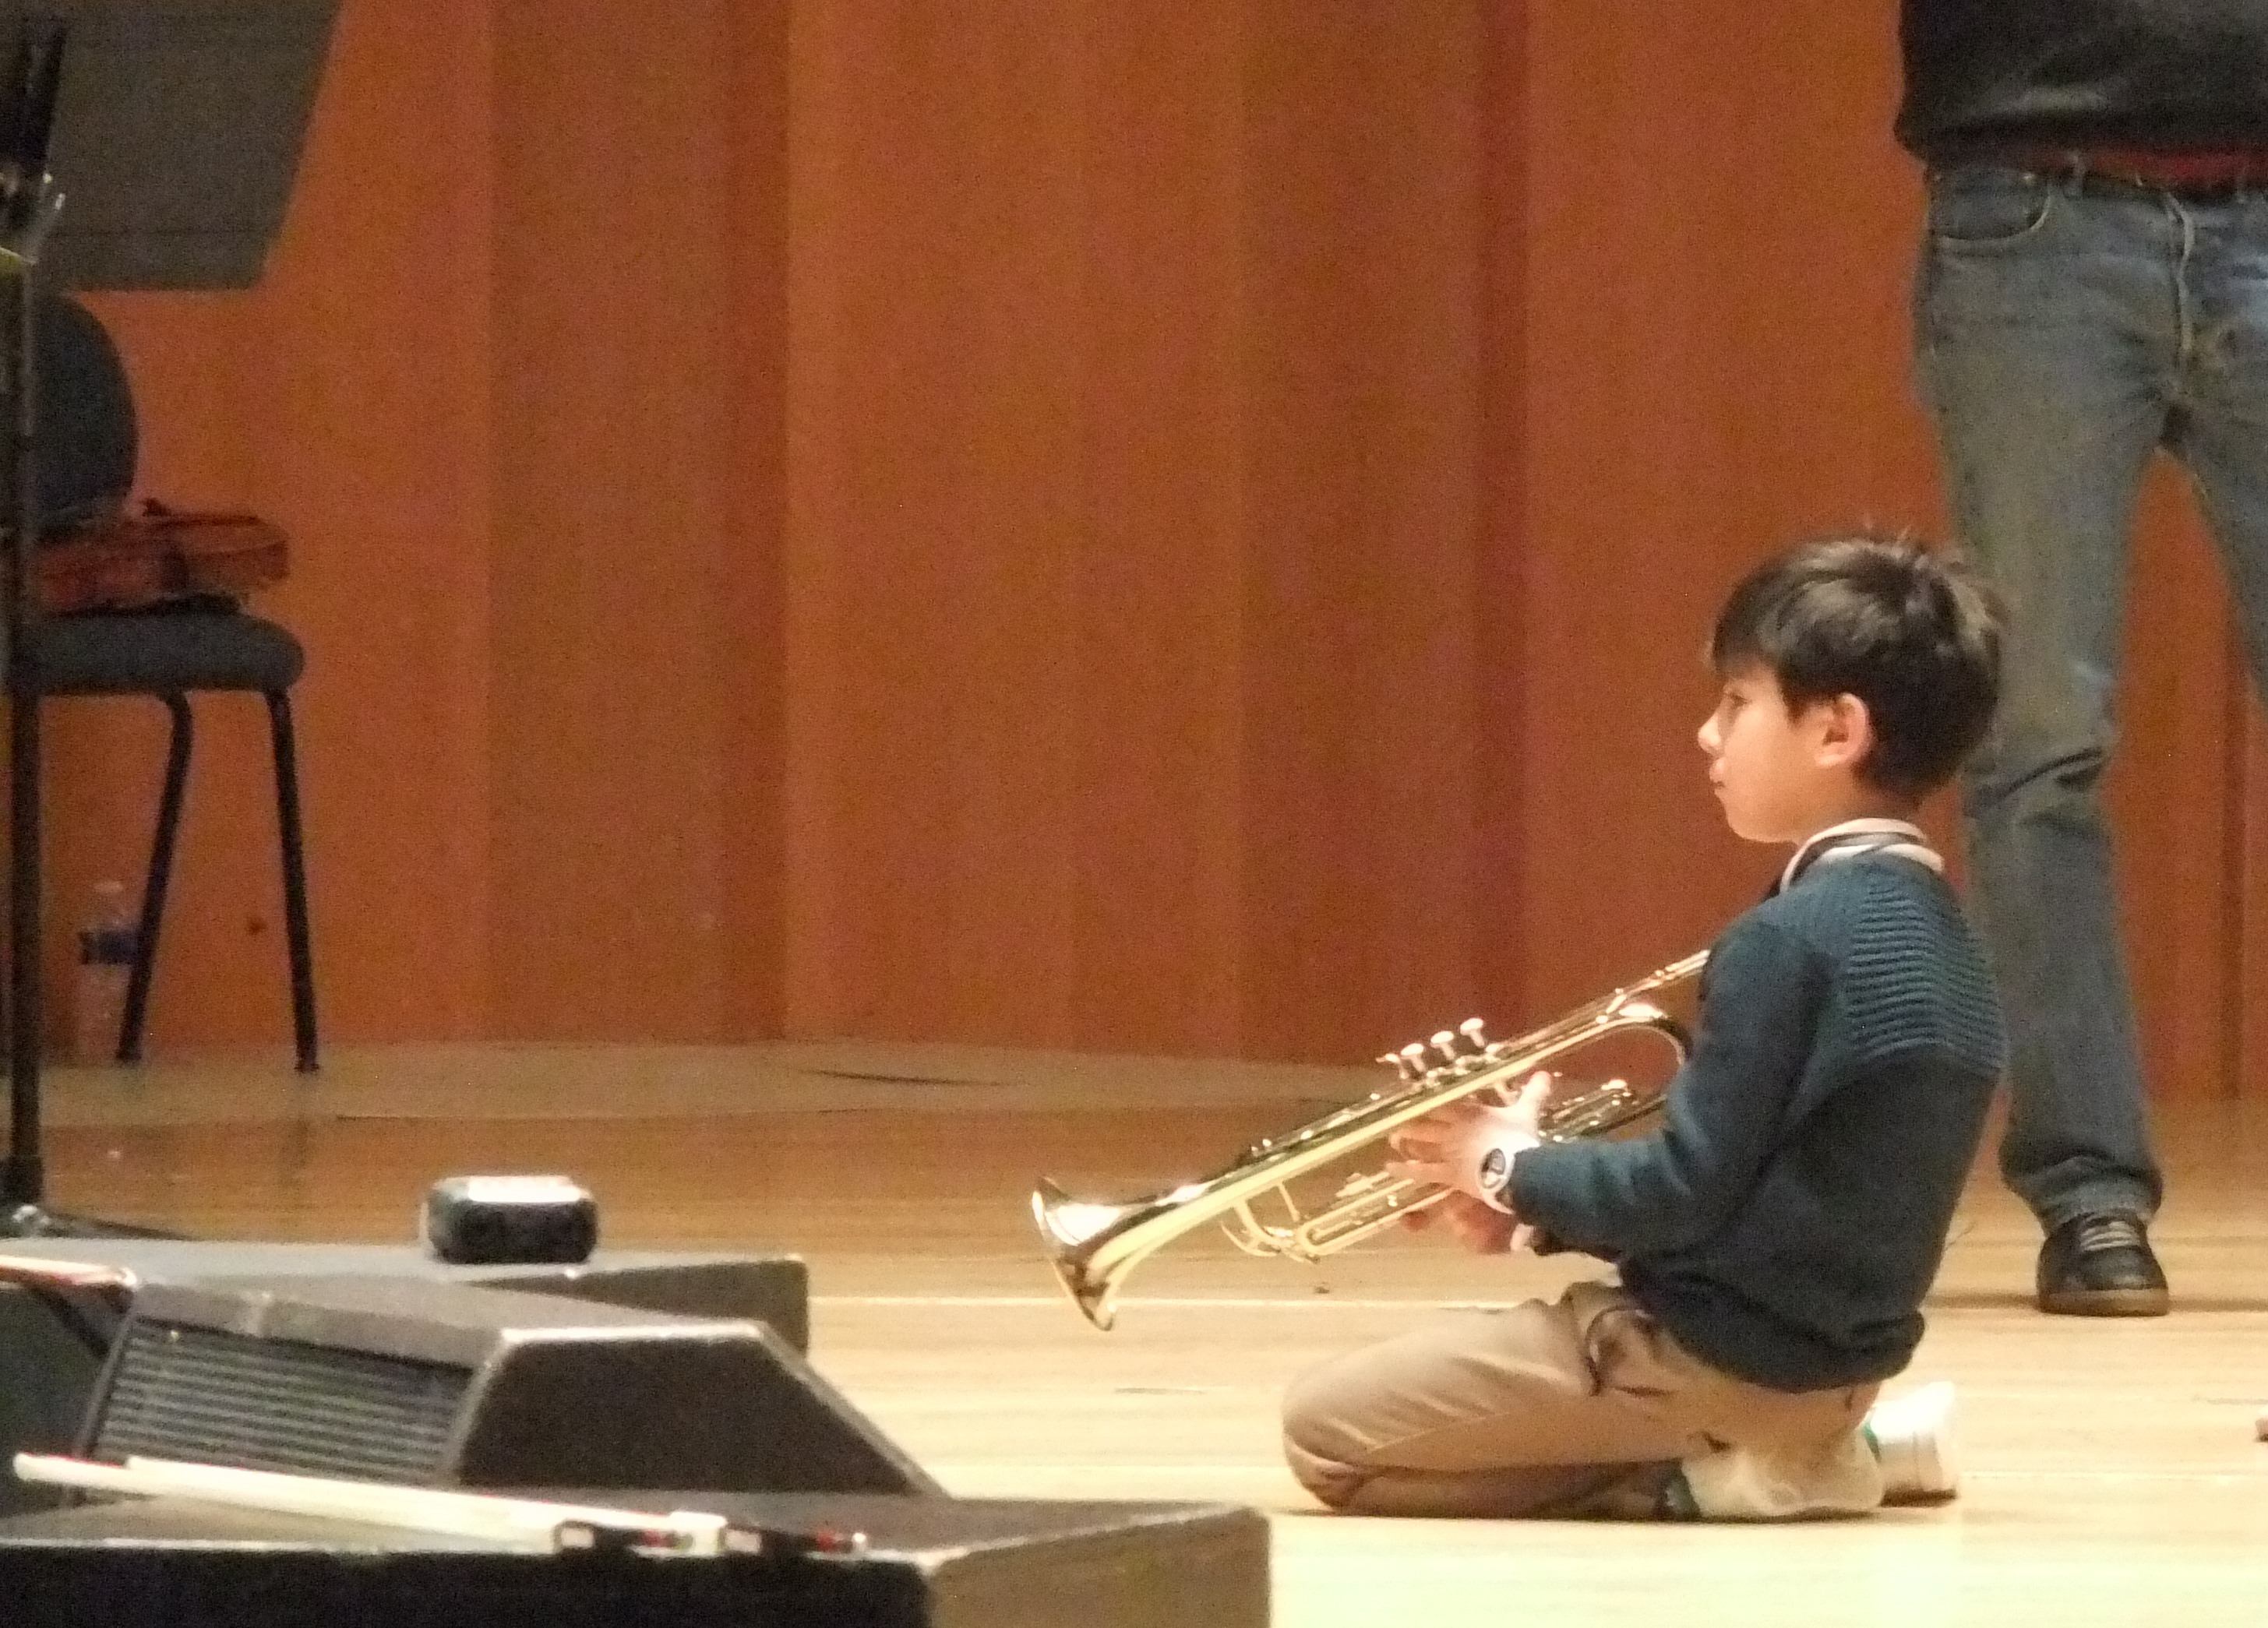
x,y
144,144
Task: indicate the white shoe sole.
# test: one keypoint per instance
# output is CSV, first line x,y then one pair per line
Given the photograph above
x,y
1913,1437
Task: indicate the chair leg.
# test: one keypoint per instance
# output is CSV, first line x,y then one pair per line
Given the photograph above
x,y
295,880
161,874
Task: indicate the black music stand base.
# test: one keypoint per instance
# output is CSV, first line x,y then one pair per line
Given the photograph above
x,y
29,1220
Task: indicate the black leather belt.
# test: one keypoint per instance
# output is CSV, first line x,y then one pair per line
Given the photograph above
x,y
2193,174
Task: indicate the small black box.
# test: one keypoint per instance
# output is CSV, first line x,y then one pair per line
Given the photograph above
x,y
486,1220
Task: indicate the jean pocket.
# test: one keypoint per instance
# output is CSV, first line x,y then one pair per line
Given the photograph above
x,y
1979,211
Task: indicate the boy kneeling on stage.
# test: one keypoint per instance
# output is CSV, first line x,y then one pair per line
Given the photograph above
x,y
1775,1236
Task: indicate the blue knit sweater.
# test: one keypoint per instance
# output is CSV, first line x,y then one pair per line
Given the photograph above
x,y
1787,1217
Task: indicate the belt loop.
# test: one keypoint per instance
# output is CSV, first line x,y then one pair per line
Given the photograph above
x,y
2075,174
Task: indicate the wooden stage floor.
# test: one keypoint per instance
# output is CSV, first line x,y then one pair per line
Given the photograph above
x,y
2113,1475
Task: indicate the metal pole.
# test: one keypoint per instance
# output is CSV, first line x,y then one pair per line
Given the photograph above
x,y
27,211
25,1175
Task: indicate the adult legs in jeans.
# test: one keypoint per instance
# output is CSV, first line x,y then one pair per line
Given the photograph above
x,y
1578,1407
2063,334
2044,326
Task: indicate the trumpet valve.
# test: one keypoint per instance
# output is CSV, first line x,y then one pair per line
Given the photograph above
x,y
1461,1046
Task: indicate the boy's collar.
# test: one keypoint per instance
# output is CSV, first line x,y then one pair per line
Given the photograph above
x,y
1853,837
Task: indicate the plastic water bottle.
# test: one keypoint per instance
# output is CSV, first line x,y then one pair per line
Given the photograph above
x,y
106,963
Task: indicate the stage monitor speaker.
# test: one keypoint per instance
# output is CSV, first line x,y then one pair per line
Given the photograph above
x,y
446,1384
929,1563
773,1288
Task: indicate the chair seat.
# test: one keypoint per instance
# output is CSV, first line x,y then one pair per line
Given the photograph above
x,y
162,651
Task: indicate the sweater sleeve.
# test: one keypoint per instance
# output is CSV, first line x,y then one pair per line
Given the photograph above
x,y
1763,992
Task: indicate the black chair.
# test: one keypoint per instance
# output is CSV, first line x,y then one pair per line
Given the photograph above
x,y
88,447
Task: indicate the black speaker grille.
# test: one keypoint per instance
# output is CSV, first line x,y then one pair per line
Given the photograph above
x,y
213,1397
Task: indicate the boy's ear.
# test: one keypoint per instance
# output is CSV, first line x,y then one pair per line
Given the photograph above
x,y
1846,732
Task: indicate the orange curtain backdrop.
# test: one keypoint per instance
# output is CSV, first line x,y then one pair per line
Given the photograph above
x,y
1135,521
634,566
1180,526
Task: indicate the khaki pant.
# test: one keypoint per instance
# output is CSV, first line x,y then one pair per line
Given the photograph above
x,y
1582,1406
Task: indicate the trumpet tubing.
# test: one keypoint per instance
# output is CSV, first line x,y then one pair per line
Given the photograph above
x,y
1093,1246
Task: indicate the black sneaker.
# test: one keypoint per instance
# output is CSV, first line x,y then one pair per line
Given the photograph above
x,y
2101,1266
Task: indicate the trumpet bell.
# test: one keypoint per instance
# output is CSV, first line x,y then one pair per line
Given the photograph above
x,y
1069,1230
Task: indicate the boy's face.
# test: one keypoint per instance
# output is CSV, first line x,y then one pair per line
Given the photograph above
x,y
1781,777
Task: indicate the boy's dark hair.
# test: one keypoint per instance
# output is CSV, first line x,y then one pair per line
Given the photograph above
x,y
1912,634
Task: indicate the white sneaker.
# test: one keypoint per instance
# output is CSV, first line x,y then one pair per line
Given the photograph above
x,y
1737,1483
1912,1439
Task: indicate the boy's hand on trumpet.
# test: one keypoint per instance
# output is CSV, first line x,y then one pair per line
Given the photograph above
x,y
1468,1147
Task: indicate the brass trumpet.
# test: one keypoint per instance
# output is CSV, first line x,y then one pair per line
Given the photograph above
x,y
1093,1246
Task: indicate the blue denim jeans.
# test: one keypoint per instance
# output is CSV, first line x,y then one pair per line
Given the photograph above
x,y
2065,333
